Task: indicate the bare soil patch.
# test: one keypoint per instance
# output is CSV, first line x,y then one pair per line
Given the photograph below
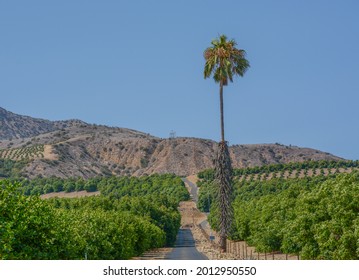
x,y
69,195
49,153
193,179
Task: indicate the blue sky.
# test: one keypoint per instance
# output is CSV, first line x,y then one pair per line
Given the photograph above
x,y
139,64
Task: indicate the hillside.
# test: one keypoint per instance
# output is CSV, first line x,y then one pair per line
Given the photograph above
x,y
74,148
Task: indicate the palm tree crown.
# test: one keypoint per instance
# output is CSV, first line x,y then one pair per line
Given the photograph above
x,y
224,60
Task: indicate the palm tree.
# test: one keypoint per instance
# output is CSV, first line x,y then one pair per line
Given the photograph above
x,y
224,61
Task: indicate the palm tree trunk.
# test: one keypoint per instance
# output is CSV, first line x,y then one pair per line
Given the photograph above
x,y
221,109
223,175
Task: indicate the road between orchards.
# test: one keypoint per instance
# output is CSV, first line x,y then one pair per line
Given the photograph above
x,y
189,238
185,246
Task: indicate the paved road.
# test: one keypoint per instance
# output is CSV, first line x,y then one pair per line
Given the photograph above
x,y
184,248
193,191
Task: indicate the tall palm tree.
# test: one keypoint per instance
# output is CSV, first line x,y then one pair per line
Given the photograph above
x,y
224,61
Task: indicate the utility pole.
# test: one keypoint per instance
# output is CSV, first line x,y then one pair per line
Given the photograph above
x,y
172,134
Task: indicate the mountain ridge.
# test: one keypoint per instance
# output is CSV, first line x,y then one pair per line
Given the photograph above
x,y
75,148
20,126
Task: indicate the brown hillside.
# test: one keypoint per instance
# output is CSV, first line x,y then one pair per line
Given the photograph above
x,y
74,148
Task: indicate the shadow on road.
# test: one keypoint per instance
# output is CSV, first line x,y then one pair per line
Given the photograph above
x,y
184,248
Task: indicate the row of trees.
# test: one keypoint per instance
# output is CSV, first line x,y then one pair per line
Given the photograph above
x,y
207,176
316,218
306,165
23,152
114,186
117,225
282,167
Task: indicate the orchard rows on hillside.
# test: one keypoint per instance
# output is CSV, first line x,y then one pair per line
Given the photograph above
x,y
24,153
